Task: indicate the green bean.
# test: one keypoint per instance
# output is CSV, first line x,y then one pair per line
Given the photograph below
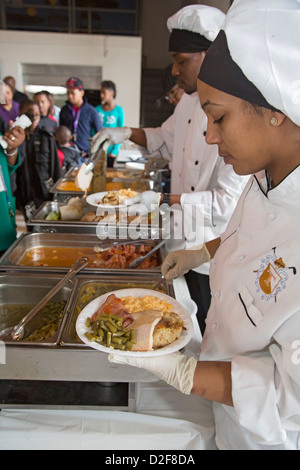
x,y
103,326
119,340
112,327
133,336
90,337
103,317
100,332
118,346
121,333
108,339
108,331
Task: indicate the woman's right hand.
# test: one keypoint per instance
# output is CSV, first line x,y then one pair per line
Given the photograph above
x,y
178,263
14,138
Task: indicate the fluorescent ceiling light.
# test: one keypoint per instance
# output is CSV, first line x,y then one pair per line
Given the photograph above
x,y
55,90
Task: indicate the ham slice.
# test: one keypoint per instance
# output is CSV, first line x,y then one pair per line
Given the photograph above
x,y
114,306
144,323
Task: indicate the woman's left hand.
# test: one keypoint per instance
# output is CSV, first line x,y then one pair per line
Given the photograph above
x,y
175,369
14,138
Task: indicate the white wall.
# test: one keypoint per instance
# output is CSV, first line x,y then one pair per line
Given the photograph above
x,y
119,56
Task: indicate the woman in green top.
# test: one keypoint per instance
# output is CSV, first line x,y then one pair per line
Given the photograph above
x,y
111,115
9,161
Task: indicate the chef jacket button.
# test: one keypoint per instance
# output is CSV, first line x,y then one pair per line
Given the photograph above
x,y
217,294
272,216
189,121
213,261
204,133
214,326
192,188
196,162
241,258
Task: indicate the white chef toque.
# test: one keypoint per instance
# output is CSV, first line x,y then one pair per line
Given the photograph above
x,y
194,27
258,52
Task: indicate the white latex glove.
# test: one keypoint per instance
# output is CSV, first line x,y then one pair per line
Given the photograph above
x,y
149,199
175,369
109,136
178,263
154,164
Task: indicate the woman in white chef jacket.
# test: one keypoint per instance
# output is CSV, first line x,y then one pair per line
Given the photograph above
x,y
199,176
249,364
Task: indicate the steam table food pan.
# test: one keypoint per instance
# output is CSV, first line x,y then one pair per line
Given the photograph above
x,y
64,249
144,228
21,291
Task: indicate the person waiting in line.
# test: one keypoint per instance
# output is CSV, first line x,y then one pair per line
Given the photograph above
x,y
43,100
39,168
10,109
249,360
68,153
55,110
199,177
111,115
79,116
18,96
9,161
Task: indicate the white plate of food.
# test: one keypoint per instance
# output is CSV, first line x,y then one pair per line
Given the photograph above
x,y
111,199
166,332
135,166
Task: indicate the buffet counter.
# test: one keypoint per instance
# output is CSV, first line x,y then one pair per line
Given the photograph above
x,y
80,363
155,417
55,391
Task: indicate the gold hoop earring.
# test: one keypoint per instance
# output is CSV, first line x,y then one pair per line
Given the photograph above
x,y
274,121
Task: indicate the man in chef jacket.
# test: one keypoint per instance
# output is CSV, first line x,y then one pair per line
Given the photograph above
x,y
199,176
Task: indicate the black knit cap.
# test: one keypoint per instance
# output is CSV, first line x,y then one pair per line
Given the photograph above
x,y
185,41
221,72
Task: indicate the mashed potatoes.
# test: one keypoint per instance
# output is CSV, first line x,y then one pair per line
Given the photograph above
x,y
149,302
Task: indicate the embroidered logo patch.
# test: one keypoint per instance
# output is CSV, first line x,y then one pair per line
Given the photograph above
x,y
272,276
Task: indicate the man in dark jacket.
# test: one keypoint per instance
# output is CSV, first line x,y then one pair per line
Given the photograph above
x,y
79,116
39,168
19,96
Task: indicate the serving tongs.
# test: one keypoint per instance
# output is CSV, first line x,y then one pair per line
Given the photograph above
x,y
140,259
109,244
17,332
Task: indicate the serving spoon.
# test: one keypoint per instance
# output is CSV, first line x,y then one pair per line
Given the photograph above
x,y
17,332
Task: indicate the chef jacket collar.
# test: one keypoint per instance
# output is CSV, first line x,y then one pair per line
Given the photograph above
x,y
284,194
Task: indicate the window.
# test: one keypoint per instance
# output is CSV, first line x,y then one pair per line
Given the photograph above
x,y
119,17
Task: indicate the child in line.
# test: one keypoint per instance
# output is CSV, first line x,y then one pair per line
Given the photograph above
x,y
68,153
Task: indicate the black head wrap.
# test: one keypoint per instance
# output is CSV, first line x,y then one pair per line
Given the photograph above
x,y
221,72
182,40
